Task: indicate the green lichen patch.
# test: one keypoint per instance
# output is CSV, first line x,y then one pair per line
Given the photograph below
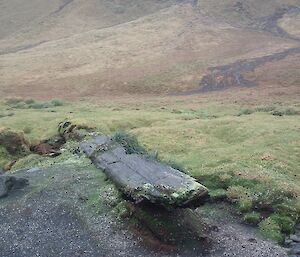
x,y
167,196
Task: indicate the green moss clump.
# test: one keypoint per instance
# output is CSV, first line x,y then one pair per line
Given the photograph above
x,y
271,229
218,195
287,224
289,208
244,205
252,218
94,201
122,209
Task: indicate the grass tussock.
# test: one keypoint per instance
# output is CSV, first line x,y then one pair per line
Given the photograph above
x,y
276,111
273,110
270,229
252,218
19,103
129,142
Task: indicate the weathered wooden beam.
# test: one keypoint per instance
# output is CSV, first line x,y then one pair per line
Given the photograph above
x,y
141,178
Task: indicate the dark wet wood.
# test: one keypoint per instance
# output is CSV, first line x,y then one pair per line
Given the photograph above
x,y
141,178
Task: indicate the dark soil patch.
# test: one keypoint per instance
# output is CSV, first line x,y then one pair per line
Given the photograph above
x,y
229,75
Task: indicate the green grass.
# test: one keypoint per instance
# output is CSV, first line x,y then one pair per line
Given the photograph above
x,y
252,218
253,156
270,229
19,103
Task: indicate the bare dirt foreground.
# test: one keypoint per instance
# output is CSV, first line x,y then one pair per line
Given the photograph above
x,y
55,215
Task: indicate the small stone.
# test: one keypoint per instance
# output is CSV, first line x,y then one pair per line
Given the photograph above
x,y
252,240
295,238
215,228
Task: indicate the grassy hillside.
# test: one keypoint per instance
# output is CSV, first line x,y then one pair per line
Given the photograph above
x,y
111,48
247,13
29,22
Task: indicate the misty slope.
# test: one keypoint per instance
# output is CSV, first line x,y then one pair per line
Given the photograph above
x,y
31,22
97,48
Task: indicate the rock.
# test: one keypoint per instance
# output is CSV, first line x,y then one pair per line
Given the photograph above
x,y
295,250
295,238
10,183
142,179
287,242
252,240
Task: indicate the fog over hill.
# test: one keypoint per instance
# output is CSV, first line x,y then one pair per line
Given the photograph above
x,y
107,48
